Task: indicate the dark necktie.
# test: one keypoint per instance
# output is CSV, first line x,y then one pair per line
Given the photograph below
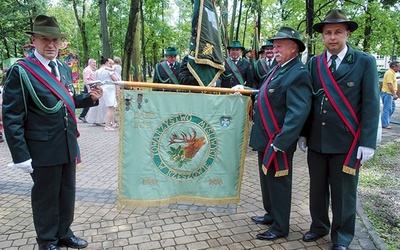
x,y
53,68
234,61
171,66
332,68
269,62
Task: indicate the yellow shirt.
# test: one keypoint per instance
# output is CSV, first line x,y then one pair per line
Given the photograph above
x,y
389,77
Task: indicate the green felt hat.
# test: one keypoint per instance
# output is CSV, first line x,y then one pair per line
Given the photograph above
x,y
267,44
335,16
46,26
236,45
171,51
289,33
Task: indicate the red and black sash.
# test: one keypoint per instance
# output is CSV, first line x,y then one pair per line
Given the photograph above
x,y
50,81
279,159
343,109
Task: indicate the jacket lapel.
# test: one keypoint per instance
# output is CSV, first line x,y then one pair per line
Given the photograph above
x,y
345,65
286,68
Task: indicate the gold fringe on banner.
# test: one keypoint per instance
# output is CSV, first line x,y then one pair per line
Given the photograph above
x,y
176,199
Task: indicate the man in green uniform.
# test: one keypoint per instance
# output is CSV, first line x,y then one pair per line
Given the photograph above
x,y
263,65
41,131
167,71
280,110
342,129
238,71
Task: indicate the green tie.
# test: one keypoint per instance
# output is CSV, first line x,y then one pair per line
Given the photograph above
x,y
53,68
332,68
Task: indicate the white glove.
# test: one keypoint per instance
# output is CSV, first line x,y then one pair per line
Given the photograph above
x,y
236,88
302,143
276,149
365,153
25,166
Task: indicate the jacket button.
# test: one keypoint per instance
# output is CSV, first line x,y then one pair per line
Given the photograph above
x,y
323,123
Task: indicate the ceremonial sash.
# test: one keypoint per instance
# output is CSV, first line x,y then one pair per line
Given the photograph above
x,y
169,72
272,128
264,67
54,85
51,82
235,70
343,109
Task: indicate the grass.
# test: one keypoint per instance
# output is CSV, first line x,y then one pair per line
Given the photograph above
x,y
379,191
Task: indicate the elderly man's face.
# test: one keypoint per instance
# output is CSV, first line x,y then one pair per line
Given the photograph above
x,y
235,53
46,46
334,37
284,50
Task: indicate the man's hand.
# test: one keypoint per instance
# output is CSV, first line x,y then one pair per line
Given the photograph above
x,y
96,93
236,88
365,153
302,143
25,166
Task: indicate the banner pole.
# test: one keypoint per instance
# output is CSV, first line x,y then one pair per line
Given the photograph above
x,y
127,84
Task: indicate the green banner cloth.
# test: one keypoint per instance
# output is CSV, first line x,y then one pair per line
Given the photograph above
x,y
206,61
181,147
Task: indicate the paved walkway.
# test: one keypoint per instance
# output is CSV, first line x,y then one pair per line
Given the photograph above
x,y
177,226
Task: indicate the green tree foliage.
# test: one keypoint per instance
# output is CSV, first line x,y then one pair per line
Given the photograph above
x,y
15,18
166,23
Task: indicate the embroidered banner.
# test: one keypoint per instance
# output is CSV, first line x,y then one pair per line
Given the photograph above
x,y
182,147
206,60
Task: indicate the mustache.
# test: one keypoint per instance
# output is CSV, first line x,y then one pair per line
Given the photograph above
x,y
277,54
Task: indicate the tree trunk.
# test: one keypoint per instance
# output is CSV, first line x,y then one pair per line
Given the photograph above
x,y
143,49
230,39
309,23
239,19
104,28
82,28
129,39
136,55
368,28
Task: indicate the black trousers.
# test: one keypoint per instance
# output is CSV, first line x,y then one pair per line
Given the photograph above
x,y
329,183
85,110
53,201
277,196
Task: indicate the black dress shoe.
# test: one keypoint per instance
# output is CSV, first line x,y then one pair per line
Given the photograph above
x,y
335,247
267,235
73,242
48,246
261,220
310,236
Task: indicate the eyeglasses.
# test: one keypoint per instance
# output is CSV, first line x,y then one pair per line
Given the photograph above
x,y
47,40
